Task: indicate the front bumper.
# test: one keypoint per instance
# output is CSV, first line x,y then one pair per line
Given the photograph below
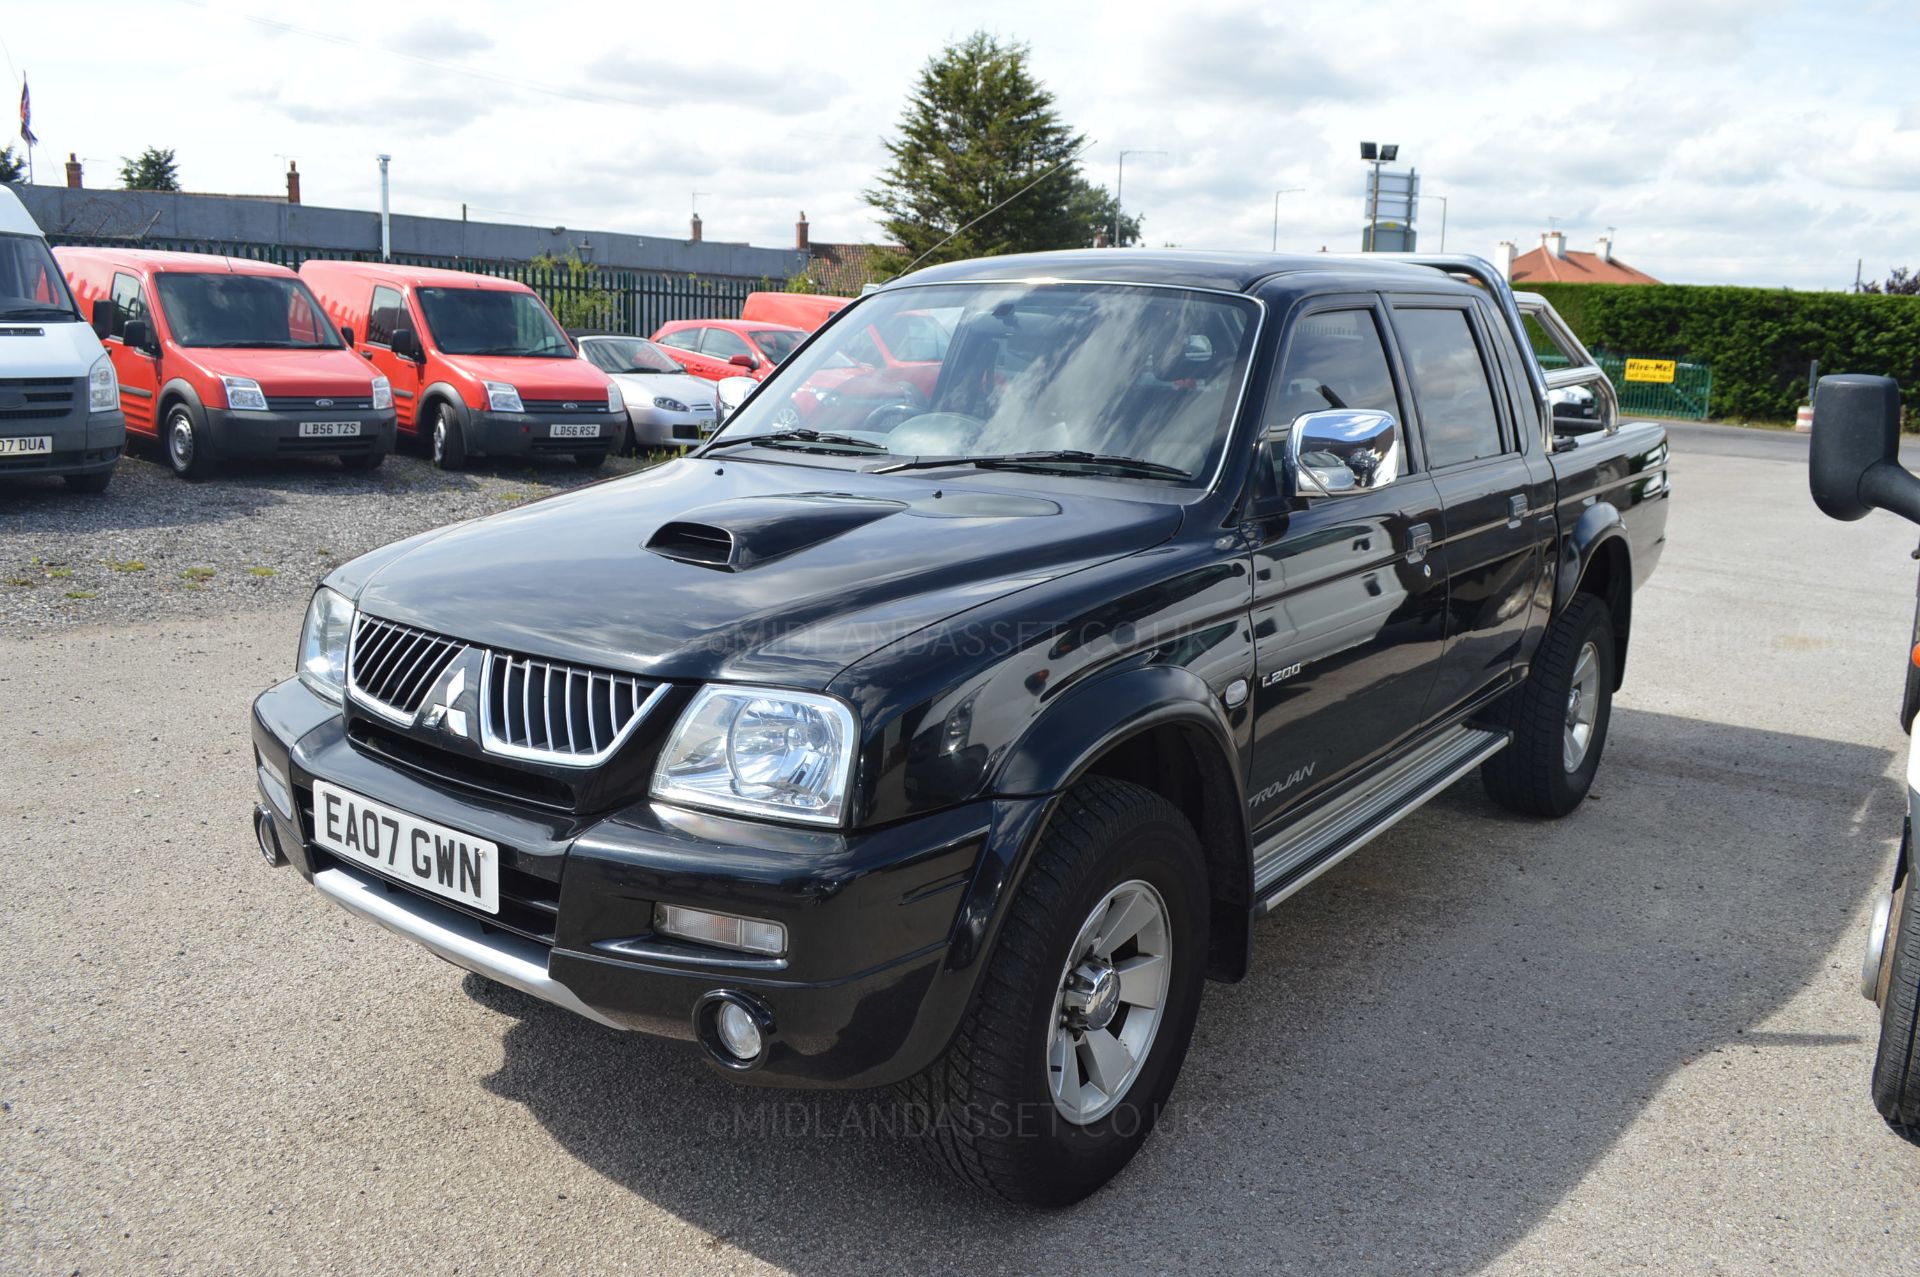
x,y
83,443
869,992
246,436
659,428
491,433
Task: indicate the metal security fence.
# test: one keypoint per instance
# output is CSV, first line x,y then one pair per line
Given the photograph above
x,y
580,296
1686,397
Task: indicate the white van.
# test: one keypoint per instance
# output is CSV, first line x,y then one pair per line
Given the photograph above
x,y
59,398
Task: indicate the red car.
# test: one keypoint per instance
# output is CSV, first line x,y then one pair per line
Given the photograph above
x,y
226,357
478,364
717,348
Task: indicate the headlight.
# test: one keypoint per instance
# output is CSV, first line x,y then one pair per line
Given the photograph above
x,y
103,388
503,398
760,752
244,394
323,644
382,393
616,402
671,405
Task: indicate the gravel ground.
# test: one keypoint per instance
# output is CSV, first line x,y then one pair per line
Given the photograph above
x,y
255,534
1626,1041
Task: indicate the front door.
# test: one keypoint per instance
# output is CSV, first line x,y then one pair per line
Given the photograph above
x,y
1493,495
138,370
386,314
1349,609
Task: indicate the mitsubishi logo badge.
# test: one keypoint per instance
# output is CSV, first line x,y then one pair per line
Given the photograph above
x,y
443,715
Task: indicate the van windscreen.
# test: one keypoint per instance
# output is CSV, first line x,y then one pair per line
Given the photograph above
x,y
491,321
270,312
31,286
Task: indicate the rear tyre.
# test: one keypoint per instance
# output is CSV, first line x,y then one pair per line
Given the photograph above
x,y
449,439
1082,1018
590,460
1559,716
90,482
184,440
1896,1065
361,462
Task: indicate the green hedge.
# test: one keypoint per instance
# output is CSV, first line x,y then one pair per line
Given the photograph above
x,y
1758,341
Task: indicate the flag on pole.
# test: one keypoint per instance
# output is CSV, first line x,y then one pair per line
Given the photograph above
x,y
26,115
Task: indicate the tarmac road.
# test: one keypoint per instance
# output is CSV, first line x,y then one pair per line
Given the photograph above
x,y
1629,1040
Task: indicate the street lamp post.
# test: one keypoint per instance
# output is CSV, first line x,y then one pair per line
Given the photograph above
x,y
1119,187
1443,218
1291,190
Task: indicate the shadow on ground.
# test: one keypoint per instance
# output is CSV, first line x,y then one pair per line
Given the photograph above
x,y
1436,1042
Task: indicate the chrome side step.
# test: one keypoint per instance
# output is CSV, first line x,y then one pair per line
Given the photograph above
x,y
1295,856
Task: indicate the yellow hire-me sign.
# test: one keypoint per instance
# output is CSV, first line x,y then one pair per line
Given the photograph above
x,y
1650,370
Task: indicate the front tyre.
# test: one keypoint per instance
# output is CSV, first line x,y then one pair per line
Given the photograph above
x,y
1896,1065
1559,716
185,441
449,440
1082,1018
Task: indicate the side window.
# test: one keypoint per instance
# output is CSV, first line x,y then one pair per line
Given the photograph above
x,y
1335,359
863,350
682,339
722,344
1449,375
129,303
387,314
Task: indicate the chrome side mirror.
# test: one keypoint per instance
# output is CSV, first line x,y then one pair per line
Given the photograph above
x,y
731,392
1343,451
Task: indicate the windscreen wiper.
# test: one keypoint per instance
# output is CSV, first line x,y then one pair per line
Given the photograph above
x,y
37,312
1065,460
802,435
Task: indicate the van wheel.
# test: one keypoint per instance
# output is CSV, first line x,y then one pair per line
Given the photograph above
x,y
185,442
589,460
96,482
1559,716
1082,1017
361,462
1896,1064
449,440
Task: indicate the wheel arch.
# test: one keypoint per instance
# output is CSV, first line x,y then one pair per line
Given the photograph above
x,y
1597,560
431,397
177,390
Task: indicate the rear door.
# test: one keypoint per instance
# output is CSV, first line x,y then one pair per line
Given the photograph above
x,y
720,345
1494,496
139,371
386,313
684,345
1349,612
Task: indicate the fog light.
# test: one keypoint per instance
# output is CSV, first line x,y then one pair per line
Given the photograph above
x,y
738,1033
722,930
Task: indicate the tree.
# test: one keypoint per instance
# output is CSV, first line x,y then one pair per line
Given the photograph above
x,y
978,128
1093,208
12,167
571,292
1902,281
154,170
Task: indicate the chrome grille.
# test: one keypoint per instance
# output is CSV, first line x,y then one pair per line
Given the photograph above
x,y
394,666
586,403
548,711
314,403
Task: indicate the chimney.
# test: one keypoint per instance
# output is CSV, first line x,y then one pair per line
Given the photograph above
x,y
1605,248
1503,258
800,238
293,182
694,237
73,170
1554,242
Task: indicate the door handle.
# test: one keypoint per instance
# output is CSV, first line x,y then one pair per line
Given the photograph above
x,y
1517,508
1419,538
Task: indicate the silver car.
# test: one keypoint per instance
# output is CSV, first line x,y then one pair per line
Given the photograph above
x,y
668,406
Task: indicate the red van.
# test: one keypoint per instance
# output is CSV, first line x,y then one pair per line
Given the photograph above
x,y
805,311
478,365
222,357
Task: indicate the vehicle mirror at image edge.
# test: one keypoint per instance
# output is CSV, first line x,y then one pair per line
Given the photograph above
x,y
1343,452
732,392
137,335
405,344
102,319
1854,455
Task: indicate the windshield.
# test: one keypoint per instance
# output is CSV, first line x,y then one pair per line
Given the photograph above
x,y
31,286
1108,370
777,343
627,354
492,321
264,311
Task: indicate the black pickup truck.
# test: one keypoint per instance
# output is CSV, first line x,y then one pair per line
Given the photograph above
x,y
945,722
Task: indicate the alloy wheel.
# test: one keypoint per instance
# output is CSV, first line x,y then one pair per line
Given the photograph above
x,y
1583,707
1106,1011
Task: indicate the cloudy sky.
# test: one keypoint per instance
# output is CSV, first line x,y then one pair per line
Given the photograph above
x,y
1741,141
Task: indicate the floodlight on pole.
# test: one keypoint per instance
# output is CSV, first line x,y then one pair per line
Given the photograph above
x,y
1376,155
386,221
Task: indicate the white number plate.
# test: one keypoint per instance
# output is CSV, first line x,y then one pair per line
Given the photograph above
x,y
418,852
31,446
329,430
561,430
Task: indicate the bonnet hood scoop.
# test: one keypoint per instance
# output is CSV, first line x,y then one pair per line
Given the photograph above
x,y
735,535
